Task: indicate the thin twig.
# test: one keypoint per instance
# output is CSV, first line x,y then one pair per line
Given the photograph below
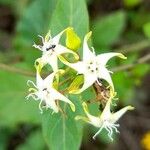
x,y
130,66
16,70
134,47
116,69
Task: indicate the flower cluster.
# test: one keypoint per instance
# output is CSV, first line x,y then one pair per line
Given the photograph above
x,y
92,67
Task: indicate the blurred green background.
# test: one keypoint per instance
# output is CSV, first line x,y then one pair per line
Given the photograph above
x,y
117,25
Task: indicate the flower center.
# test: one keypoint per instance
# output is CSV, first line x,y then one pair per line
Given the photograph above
x,y
92,67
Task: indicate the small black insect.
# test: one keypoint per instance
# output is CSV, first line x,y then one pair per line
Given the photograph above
x,y
45,89
51,47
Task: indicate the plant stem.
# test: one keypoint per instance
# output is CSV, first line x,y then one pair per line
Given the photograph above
x,y
134,47
130,66
16,70
116,69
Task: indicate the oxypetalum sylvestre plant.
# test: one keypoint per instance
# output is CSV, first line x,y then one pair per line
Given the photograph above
x,y
93,69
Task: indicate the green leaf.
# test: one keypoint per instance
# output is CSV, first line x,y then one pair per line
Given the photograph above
x,y
4,137
63,131
146,29
68,14
107,30
14,108
132,3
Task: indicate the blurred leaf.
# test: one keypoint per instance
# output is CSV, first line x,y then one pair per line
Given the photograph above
x,y
146,29
124,82
132,3
34,142
67,14
139,71
4,136
107,30
14,108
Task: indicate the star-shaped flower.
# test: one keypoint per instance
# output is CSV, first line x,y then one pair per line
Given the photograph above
x,y
51,49
106,120
44,91
92,67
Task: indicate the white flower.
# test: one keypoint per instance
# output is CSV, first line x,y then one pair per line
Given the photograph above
x,y
44,91
106,120
92,67
52,49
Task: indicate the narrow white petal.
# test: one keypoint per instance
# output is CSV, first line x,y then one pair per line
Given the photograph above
x,y
55,40
104,58
89,79
104,74
58,96
51,104
79,66
39,80
61,50
95,121
116,116
48,81
53,61
106,112
87,53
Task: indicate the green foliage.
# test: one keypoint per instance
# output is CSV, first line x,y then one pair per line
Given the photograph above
x,y
67,13
14,108
146,29
132,3
107,30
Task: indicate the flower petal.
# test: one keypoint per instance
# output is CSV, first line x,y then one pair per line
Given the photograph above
x,y
79,66
53,61
87,53
104,74
48,81
89,79
57,96
104,58
51,104
39,80
48,36
92,119
116,116
106,112
61,50
55,40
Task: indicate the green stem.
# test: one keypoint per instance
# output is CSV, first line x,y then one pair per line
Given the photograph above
x,y
134,47
16,70
130,66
